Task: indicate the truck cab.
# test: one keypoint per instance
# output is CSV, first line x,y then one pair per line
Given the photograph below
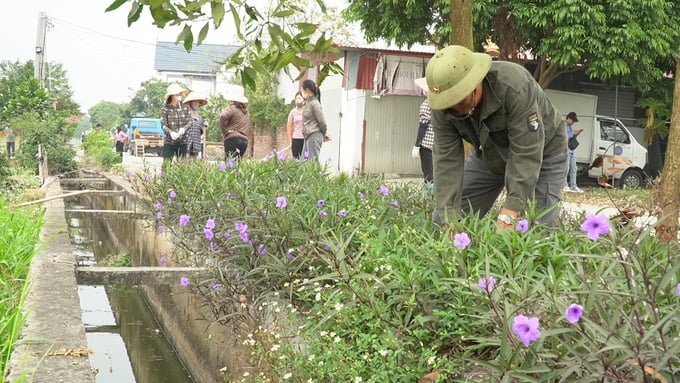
x,y
146,136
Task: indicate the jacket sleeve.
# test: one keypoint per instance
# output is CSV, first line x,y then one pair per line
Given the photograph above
x,y
448,160
422,129
164,121
320,118
526,134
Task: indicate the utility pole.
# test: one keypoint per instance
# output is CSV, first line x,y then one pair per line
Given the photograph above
x,y
39,64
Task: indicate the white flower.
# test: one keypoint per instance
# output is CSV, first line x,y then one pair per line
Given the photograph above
x,y
317,297
275,347
287,376
245,374
382,352
323,333
430,360
338,306
310,357
337,339
358,379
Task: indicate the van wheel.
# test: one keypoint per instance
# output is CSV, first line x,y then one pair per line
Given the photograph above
x,y
631,178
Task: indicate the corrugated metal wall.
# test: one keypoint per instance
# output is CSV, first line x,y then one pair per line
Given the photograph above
x,y
391,128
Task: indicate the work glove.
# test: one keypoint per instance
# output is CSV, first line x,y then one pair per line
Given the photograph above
x,y
174,135
181,131
415,152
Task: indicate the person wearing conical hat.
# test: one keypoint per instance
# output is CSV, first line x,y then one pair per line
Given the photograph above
x,y
176,121
235,124
518,136
193,103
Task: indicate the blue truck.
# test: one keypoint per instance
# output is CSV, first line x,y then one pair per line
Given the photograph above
x,y
145,135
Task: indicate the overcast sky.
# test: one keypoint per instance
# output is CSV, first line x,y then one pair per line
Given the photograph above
x,y
104,59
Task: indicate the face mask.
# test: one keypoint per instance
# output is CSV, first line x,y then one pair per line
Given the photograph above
x,y
299,104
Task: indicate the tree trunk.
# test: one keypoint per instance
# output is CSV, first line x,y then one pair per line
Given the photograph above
x,y
461,23
669,188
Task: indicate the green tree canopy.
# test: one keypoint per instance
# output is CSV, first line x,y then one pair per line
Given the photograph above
x,y
618,41
107,113
148,99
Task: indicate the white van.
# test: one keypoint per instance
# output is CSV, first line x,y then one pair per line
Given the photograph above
x,y
623,157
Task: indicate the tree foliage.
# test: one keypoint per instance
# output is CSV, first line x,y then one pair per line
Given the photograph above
x,y
624,41
107,113
268,44
148,99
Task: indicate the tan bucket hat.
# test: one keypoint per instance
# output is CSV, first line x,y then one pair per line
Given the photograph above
x,y
453,73
174,90
194,96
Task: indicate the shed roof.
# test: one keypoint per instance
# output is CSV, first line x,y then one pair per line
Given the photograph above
x,y
204,58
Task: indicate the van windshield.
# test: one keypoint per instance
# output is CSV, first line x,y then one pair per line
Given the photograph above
x,y
610,131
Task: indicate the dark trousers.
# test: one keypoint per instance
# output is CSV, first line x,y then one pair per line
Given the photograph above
x,y
119,147
426,163
172,150
481,188
296,147
235,147
10,149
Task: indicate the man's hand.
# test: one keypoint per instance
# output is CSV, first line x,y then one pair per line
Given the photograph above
x,y
579,131
415,152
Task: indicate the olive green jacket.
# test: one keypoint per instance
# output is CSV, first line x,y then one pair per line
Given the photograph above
x,y
518,127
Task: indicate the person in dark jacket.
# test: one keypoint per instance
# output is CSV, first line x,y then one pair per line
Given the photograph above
x,y
176,121
235,124
314,127
518,136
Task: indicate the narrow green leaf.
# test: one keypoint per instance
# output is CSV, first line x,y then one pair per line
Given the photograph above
x,y
187,37
284,13
247,80
218,13
135,12
115,5
237,21
203,33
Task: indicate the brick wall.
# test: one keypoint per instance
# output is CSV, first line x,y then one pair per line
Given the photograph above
x,y
261,144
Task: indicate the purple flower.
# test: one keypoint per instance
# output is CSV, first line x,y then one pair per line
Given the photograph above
x,y
338,245
677,290
183,220
232,163
173,194
147,177
208,233
159,206
163,260
238,276
289,255
395,203
129,174
522,226
159,215
240,226
384,190
184,281
227,235
574,313
169,201
244,236
282,155
526,329
327,247
342,213
281,202
261,249
306,154
461,240
210,224
595,225
323,213
487,283
223,167
320,203
362,196
238,151
160,173
217,286
161,227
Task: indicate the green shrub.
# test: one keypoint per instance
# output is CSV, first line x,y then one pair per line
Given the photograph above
x,y
338,278
98,145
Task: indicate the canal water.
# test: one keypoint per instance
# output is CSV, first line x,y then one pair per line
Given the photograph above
x,y
129,345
